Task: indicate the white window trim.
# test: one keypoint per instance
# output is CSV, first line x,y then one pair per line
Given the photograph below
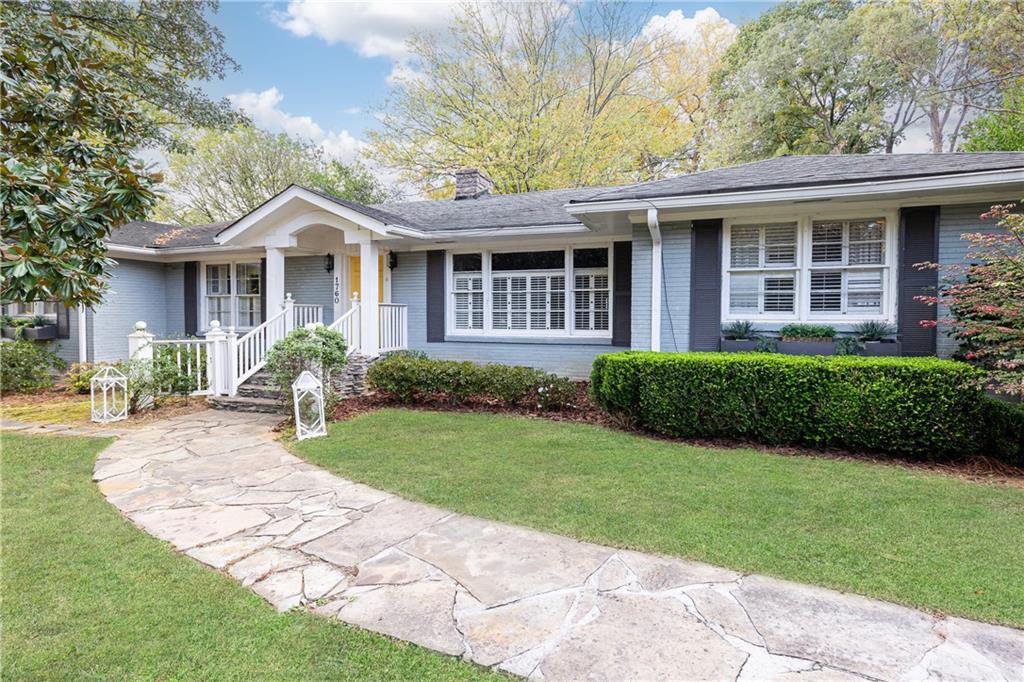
x,y
488,330
803,268
233,297
38,309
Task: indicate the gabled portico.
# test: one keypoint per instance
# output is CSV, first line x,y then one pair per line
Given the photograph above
x,y
299,221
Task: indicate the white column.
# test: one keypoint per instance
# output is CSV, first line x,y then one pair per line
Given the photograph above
x,y
140,343
231,361
338,284
275,282
655,230
368,295
83,335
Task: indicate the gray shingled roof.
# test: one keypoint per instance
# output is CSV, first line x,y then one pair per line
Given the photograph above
x,y
537,209
803,171
153,235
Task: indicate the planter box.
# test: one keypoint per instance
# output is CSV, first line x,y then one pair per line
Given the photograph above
x,y
739,345
807,347
881,349
43,333
10,332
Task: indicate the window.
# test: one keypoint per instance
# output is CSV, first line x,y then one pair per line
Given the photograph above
x,y
47,309
527,292
845,277
762,269
468,291
840,265
232,294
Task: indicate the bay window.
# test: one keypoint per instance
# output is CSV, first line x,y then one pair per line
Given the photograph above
x,y
564,292
231,294
808,269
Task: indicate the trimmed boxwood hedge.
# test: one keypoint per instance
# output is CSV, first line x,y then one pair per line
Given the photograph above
x,y
915,407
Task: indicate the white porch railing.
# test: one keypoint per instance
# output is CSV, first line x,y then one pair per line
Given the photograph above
x,y
306,313
393,327
348,326
192,356
219,363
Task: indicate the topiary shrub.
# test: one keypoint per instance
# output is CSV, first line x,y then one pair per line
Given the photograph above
x,y
318,349
26,366
1001,431
408,379
915,407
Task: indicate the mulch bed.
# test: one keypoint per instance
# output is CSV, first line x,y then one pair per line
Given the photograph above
x,y
978,469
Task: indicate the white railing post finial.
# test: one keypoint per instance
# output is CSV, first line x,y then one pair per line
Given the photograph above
x,y
140,343
289,314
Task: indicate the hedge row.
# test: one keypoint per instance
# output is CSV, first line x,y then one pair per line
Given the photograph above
x,y
408,378
917,407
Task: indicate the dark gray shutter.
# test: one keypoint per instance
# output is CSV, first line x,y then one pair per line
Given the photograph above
x,y
435,296
919,242
622,294
706,285
263,290
191,298
63,322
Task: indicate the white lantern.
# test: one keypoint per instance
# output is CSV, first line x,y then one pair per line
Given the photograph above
x,y
308,393
108,396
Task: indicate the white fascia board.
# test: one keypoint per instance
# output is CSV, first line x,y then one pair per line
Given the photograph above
x,y
980,180
173,254
323,203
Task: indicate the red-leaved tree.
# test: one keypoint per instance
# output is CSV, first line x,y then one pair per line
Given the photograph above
x,y
985,299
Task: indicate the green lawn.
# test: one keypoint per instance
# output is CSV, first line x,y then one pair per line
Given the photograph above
x,y
86,595
918,538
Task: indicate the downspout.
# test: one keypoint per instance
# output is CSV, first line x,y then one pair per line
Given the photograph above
x,y
655,230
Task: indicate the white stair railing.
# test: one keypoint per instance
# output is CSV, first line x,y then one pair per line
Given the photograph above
x,y
252,348
348,326
393,327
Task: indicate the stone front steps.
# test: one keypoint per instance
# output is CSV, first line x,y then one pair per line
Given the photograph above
x,y
259,394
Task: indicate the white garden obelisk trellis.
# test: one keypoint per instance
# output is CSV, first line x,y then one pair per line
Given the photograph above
x,y
308,393
108,396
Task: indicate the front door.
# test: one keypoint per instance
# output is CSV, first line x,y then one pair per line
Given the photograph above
x,y
353,277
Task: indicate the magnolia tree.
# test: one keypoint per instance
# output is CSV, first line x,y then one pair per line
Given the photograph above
x,y
985,299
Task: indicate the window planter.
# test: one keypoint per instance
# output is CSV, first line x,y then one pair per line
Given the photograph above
x,y
876,349
739,345
44,333
807,346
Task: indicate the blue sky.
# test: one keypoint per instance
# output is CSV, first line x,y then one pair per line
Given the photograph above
x,y
317,69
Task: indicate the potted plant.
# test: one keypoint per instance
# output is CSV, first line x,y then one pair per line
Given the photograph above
x,y
8,328
740,336
807,339
36,328
878,339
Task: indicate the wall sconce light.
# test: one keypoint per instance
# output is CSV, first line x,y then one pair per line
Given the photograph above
x,y
329,262
392,260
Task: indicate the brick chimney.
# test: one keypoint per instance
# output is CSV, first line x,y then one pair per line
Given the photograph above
x,y
470,183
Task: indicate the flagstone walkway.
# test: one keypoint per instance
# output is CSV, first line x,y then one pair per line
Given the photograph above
x,y
220,489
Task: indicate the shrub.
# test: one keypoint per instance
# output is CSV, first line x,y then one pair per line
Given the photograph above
x,y
872,330
1002,431
407,379
915,407
740,330
848,345
26,366
807,331
80,375
319,350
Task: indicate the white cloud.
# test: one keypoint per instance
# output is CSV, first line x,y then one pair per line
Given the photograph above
x,y
352,110
264,108
686,29
375,29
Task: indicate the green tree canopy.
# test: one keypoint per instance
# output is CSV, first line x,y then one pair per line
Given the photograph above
x,y
84,86
1001,130
228,173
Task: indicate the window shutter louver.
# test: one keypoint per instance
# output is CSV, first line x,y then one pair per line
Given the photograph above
x,y
191,298
918,243
706,285
435,296
622,294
